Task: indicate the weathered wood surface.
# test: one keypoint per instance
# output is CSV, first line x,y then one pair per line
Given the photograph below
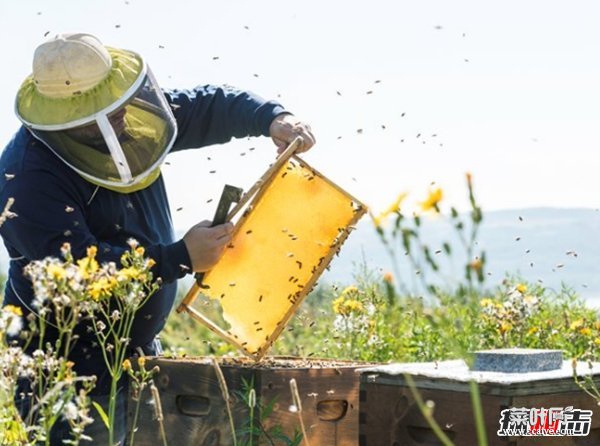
x,y
195,413
389,416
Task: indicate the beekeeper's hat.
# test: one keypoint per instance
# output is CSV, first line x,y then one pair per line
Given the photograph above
x,y
99,109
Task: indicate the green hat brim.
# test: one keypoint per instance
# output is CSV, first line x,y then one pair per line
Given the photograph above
x,y
36,109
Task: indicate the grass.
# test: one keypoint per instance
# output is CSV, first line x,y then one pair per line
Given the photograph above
x,y
359,322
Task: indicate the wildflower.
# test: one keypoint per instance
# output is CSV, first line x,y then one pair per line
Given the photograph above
x,y
486,302
65,249
469,178
476,264
576,324
101,288
140,251
345,307
13,309
530,300
14,326
130,273
597,341
126,365
142,361
585,331
88,265
533,330
432,201
521,288
392,208
388,277
56,272
349,290
69,411
505,327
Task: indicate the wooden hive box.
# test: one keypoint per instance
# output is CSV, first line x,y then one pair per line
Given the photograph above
x,y
195,414
389,415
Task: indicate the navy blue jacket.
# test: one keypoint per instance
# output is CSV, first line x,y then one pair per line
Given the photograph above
x,y
43,188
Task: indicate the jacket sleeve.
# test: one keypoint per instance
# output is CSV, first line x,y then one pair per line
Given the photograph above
x,y
49,214
214,114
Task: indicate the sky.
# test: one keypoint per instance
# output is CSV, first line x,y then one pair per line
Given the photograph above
x,y
401,95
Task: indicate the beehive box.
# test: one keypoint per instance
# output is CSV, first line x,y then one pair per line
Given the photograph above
x,y
195,413
389,415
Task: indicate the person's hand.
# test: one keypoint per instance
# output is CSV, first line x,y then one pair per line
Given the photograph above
x,y
205,244
285,128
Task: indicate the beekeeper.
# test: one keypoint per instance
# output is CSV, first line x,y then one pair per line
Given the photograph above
x,y
84,168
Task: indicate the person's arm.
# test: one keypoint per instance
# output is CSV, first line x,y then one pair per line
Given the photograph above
x,y
214,114
49,214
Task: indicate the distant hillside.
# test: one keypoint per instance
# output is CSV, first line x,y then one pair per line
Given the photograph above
x,y
563,244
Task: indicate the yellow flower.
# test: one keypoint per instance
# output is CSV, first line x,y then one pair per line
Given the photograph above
x,y
597,325
345,307
486,302
151,263
92,251
13,309
349,290
376,220
505,327
585,331
476,264
392,208
101,288
337,305
129,273
533,330
395,206
87,266
140,250
126,365
576,324
388,277
57,272
432,201
597,341
142,361
521,288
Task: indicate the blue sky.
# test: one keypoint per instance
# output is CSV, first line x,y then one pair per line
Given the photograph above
x,y
506,90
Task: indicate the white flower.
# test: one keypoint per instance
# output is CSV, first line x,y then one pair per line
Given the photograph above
x,y
70,411
15,323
